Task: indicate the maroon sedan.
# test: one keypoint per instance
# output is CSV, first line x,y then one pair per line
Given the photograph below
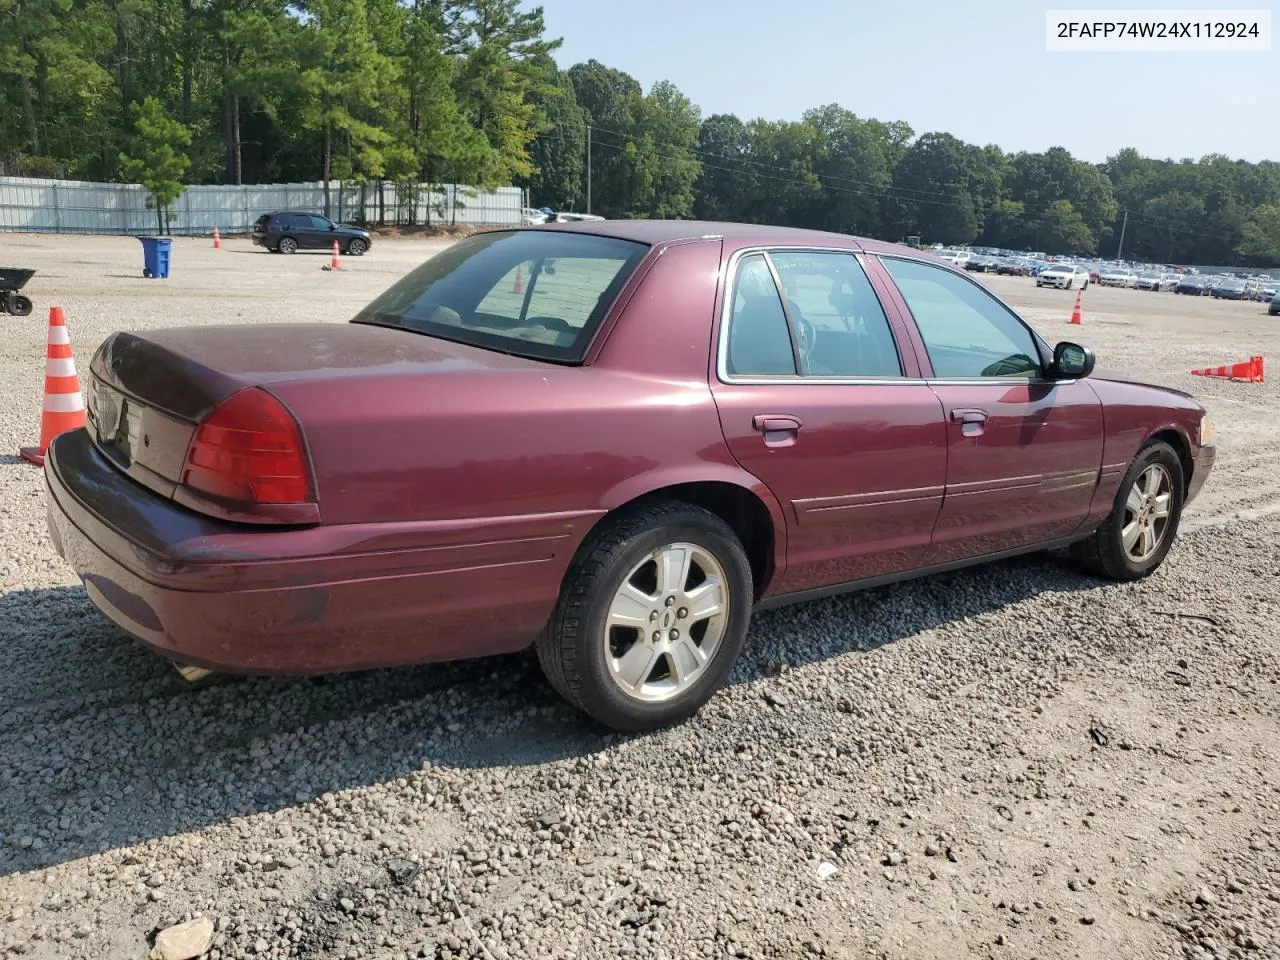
x,y
609,440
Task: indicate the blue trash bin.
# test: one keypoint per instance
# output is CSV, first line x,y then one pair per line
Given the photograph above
x,y
155,256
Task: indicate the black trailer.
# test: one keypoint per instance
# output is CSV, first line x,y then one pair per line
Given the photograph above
x,y
11,281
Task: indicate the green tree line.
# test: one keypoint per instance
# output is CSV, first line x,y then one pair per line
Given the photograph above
x,y
166,92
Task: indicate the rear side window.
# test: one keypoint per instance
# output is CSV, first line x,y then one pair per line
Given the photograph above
x,y
826,298
843,326
759,341
534,293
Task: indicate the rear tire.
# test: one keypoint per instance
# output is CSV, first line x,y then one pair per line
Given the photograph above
x,y
636,648
287,245
1150,498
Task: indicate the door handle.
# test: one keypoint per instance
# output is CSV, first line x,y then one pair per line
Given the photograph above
x,y
774,423
972,422
780,430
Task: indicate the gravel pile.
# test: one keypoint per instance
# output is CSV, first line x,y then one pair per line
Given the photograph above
x,y
1012,762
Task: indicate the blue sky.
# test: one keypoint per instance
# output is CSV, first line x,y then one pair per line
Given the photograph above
x,y
974,68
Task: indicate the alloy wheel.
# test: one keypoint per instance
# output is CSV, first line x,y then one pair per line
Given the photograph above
x,y
1146,513
666,621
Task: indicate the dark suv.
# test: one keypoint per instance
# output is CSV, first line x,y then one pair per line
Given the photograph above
x,y
291,232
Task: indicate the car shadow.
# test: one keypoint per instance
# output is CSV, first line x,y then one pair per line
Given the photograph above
x,y
104,745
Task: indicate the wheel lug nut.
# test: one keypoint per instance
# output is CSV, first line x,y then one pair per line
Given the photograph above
x,y
670,600
675,634
657,635
653,616
682,612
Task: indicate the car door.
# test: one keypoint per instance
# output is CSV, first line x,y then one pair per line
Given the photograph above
x,y
819,402
319,232
1023,451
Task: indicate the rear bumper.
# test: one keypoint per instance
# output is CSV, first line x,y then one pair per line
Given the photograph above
x,y
244,600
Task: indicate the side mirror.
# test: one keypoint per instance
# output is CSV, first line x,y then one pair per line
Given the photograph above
x,y
1072,361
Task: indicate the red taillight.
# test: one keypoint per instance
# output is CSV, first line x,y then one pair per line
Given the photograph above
x,y
249,449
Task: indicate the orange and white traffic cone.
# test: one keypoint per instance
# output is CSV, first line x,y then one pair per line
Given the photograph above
x,y
217,240
334,263
1248,370
1075,313
518,285
63,407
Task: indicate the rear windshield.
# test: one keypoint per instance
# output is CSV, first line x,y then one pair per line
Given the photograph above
x,y
534,293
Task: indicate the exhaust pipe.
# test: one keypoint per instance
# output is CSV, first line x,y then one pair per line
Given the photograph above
x,y
191,674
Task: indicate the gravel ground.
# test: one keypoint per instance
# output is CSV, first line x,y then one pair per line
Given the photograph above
x,y
1009,762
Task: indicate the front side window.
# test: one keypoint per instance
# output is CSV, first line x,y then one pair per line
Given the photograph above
x,y
535,293
967,332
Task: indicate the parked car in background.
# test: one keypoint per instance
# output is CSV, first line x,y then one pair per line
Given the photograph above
x,y
982,264
289,232
1230,289
576,217
1268,290
1274,309
1014,268
1064,276
1156,281
530,217
1116,277
1190,285
601,465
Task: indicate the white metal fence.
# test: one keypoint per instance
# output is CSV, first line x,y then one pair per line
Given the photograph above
x,y
74,206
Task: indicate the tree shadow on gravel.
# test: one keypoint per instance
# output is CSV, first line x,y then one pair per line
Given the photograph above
x,y
104,745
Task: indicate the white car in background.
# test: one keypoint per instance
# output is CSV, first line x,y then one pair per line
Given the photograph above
x,y
530,217
1064,276
1117,277
958,257
575,217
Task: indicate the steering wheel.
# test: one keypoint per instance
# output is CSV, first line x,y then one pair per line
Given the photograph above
x,y
551,323
1018,364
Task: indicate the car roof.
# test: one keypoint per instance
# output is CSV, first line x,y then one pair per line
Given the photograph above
x,y
672,231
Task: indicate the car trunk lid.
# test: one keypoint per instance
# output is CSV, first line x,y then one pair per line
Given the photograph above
x,y
148,391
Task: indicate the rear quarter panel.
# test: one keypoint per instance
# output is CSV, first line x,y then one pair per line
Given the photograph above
x,y
510,455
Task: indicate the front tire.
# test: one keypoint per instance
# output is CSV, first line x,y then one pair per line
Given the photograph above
x,y
652,617
356,247
1139,532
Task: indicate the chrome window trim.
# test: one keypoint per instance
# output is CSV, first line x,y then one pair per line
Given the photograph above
x,y
897,381
722,350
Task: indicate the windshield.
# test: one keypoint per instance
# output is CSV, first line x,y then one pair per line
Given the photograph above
x,y
534,293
